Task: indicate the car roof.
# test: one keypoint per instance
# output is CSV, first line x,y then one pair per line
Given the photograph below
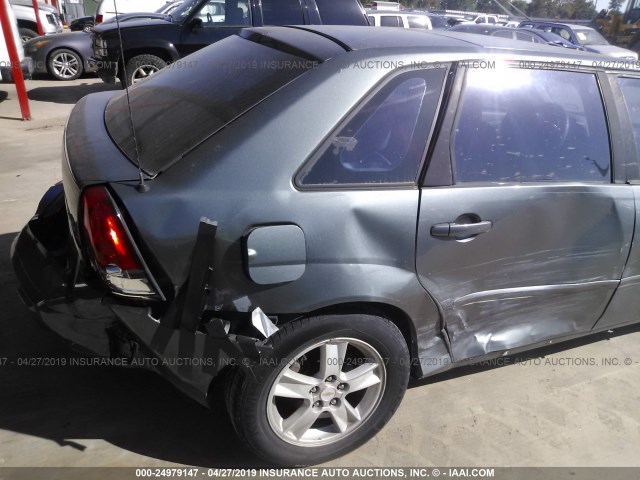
x,y
575,26
330,40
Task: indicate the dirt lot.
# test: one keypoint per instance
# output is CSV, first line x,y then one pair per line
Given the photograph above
x,y
575,405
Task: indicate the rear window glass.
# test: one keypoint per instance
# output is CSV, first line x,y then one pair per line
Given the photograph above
x,y
179,107
339,12
390,21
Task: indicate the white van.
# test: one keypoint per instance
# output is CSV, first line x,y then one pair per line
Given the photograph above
x,y
402,20
107,8
6,75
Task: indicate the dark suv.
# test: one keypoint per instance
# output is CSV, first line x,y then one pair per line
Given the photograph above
x,y
150,45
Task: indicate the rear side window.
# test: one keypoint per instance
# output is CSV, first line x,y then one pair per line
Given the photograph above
x,y
385,140
418,22
179,107
341,12
503,34
631,91
531,126
390,21
282,12
525,37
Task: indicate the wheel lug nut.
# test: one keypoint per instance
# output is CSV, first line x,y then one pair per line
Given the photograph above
x,y
342,386
330,379
317,404
314,390
333,401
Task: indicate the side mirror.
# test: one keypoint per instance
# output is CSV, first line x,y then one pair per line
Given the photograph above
x,y
195,23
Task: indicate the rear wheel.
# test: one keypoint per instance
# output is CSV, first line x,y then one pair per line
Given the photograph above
x,y
65,64
330,384
143,66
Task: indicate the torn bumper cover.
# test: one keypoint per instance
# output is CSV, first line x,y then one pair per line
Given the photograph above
x,y
45,261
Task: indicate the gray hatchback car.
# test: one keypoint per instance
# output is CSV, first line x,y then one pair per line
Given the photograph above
x,y
308,216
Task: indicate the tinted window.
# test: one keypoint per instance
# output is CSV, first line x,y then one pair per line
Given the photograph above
x,y
384,141
390,21
179,107
282,12
418,22
531,125
525,37
503,34
439,22
341,12
631,91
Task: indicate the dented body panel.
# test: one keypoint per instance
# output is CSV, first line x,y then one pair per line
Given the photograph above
x,y
549,261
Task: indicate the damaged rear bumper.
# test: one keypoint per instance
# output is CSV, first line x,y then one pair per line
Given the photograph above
x,y
50,283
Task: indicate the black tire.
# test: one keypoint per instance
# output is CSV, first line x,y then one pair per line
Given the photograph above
x,y
252,397
143,66
27,34
64,64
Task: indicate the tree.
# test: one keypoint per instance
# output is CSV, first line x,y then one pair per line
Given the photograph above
x,y
614,6
543,9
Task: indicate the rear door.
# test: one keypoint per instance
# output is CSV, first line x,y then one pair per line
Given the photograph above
x,y
523,233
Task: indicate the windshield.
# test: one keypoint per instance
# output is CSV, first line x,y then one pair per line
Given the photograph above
x,y
588,36
168,7
183,10
179,107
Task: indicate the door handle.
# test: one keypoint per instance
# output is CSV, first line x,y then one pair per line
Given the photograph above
x,y
460,230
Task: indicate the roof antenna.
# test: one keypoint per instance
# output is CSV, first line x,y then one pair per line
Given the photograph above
x,y
142,187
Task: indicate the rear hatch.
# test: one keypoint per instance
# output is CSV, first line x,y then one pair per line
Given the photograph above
x,y
90,156
177,109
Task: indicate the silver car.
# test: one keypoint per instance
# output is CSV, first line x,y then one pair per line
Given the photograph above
x,y
309,216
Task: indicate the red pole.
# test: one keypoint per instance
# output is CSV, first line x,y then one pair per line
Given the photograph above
x,y
14,58
37,12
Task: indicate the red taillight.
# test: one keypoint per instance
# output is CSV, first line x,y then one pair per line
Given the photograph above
x,y
99,19
106,232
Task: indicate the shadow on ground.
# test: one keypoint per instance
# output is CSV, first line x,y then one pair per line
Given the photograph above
x,y
3,95
134,410
69,94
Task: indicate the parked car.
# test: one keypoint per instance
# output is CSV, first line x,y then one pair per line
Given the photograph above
x,y
479,19
584,36
522,34
6,72
27,23
64,56
379,18
82,24
152,44
313,254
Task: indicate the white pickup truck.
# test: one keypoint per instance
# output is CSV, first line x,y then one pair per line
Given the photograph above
x,y
6,73
482,18
26,17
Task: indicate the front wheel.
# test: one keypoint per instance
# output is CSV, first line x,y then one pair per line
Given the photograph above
x,y
65,64
143,66
329,385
